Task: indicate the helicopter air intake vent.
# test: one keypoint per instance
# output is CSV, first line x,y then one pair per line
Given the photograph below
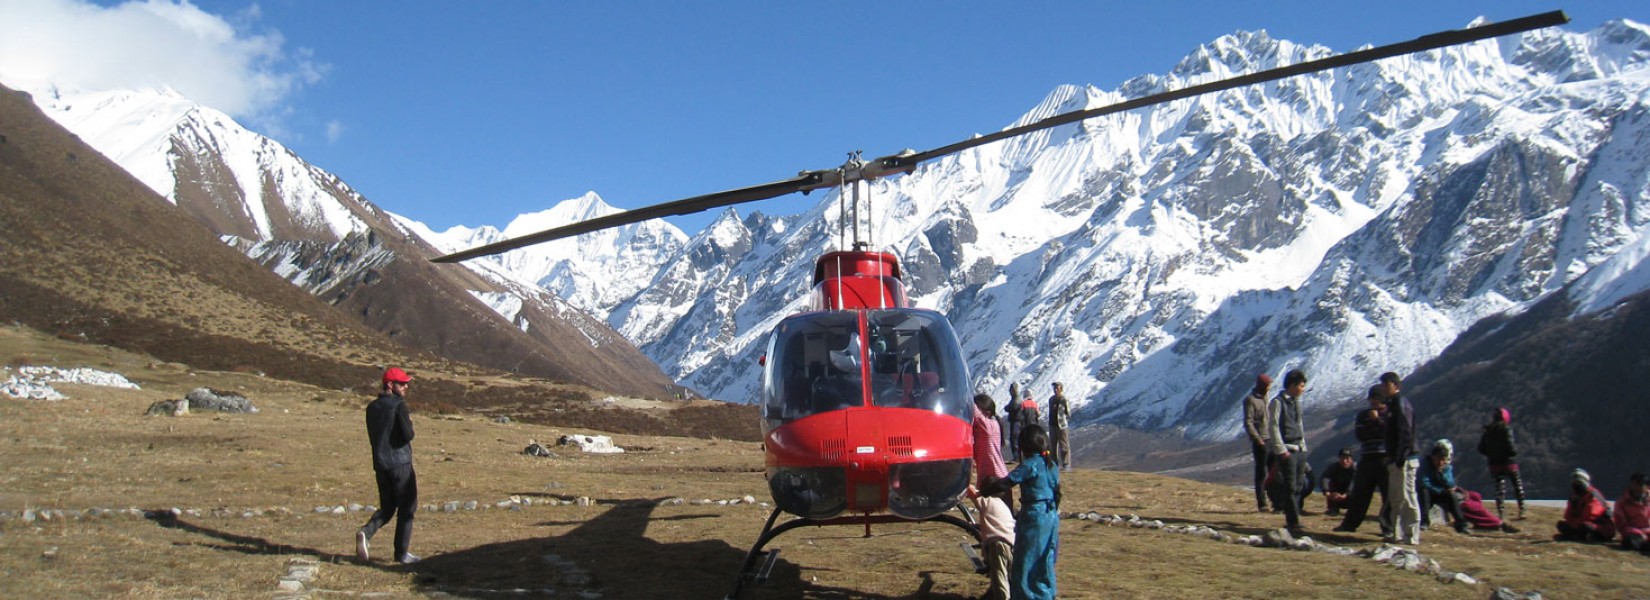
x,y
900,445
833,450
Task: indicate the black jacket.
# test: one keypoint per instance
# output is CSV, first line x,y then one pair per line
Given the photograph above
x,y
1400,429
1497,444
1371,432
390,431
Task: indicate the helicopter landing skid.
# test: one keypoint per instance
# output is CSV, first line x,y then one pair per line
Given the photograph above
x,y
759,563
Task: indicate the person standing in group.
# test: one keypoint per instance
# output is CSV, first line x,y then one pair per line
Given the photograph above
x,y
1496,444
1370,476
1029,416
988,458
996,521
1255,424
1037,526
1633,514
1059,414
1403,461
1287,444
1012,411
390,433
1587,515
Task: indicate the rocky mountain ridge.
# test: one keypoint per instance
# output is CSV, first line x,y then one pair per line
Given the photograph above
x,y
1346,223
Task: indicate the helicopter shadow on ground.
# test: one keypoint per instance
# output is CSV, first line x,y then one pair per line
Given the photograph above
x,y
611,556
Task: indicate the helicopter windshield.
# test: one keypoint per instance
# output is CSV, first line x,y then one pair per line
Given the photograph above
x,y
916,363
818,362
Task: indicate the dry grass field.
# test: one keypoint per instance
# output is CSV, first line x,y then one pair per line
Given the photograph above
x,y
248,486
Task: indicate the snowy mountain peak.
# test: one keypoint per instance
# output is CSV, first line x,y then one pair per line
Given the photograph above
x,y
588,206
1153,261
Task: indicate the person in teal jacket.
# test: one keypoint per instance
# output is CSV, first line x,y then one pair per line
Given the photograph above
x,y
1037,526
1436,485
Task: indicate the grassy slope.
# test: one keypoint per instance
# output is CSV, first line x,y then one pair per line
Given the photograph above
x,y
305,449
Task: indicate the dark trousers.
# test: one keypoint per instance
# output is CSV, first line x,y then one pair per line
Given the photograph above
x,y
1258,451
397,497
1445,499
1291,471
1367,478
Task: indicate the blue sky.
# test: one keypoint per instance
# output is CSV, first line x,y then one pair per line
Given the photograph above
x,y
471,113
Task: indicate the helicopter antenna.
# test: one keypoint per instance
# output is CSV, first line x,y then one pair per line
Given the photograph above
x,y
842,213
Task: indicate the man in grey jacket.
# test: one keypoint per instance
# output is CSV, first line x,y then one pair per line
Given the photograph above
x,y
1256,426
1287,444
390,432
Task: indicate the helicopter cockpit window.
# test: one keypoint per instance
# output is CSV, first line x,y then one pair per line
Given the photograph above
x,y
813,367
916,363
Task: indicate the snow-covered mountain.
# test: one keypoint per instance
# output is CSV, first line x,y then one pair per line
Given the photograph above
x,y
315,231
1345,223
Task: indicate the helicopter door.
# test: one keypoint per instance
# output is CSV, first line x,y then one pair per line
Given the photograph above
x,y
815,365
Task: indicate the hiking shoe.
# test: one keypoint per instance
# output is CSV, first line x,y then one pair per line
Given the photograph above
x,y
1345,529
361,552
410,558
1507,527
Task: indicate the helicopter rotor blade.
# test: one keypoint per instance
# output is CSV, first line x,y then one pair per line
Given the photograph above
x,y
803,182
906,161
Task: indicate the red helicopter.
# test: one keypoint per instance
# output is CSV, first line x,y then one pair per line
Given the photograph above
x,y
866,400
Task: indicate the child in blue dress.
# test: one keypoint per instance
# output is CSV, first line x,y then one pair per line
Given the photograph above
x,y
1037,526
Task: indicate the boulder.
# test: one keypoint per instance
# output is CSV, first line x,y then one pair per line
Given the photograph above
x,y
536,449
594,444
210,399
168,408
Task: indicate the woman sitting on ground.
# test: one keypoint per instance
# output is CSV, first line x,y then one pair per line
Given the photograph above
x,y
1587,514
1436,486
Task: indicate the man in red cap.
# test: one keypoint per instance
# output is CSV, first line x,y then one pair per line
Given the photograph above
x,y
1255,424
390,432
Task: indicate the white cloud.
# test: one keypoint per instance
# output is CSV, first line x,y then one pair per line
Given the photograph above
x,y
335,130
75,45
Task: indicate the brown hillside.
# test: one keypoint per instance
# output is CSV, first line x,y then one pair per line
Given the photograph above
x,y
87,253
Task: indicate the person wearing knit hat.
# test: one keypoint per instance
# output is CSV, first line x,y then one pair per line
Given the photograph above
x,y
1436,481
1496,444
1255,425
1587,515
